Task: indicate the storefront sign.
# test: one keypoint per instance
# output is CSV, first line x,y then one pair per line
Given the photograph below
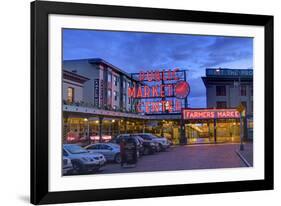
x,y
165,85
191,114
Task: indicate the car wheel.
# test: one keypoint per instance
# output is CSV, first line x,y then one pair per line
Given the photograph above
x,y
117,158
161,147
146,151
77,168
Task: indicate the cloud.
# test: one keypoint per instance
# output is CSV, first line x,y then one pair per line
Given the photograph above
x,y
135,51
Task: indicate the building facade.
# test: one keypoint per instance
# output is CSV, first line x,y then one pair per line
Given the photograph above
x,y
106,87
97,105
228,88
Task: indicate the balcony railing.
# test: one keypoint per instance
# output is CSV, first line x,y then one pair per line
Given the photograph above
x,y
103,107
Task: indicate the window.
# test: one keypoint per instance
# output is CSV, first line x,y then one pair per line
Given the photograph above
x,y
252,107
124,99
221,105
115,95
65,153
220,91
109,77
116,80
109,96
94,147
252,91
70,94
243,90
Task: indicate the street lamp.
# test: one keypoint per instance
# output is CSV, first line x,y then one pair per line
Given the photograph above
x,y
88,130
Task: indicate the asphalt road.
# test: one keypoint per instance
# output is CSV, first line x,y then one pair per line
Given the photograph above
x,y
184,158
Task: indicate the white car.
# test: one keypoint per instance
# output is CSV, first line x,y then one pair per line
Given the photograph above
x,y
67,166
161,141
82,160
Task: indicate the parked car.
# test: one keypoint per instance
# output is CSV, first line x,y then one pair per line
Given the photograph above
x,y
140,148
161,141
67,167
110,151
148,145
82,160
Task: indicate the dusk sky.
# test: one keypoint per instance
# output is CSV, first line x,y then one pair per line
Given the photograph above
x,y
135,51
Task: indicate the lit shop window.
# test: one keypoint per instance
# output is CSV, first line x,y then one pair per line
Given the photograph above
x,y
221,105
220,91
243,90
70,94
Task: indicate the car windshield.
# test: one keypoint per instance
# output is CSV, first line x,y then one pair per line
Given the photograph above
x,y
75,149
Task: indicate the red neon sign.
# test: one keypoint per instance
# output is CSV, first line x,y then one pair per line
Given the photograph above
x,y
194,114
174,88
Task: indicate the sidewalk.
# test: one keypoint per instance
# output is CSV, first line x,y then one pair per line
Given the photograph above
x,y
247,154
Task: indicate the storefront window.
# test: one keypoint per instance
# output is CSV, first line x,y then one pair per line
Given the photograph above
x,y
70,94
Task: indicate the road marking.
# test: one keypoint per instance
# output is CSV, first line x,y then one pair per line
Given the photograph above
x,y
243,159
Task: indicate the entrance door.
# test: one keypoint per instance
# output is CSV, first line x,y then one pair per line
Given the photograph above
x,y
198,133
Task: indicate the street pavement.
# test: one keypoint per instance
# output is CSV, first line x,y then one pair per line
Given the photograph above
x,y
247,153
189,157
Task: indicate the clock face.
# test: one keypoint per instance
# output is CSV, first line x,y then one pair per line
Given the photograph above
x,y
182,89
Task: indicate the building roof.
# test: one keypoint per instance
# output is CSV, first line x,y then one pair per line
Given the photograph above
x,y
214,75
74,77
103,62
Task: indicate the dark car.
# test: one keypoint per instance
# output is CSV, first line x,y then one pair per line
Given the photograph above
x,y
148,145
140,148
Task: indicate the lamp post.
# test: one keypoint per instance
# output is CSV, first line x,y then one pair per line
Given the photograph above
x,y
88,130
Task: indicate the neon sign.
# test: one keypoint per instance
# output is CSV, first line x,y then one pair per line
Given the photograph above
x,y
193,114
164,85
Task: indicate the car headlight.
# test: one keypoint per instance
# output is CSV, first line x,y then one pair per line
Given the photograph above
x,y
151,144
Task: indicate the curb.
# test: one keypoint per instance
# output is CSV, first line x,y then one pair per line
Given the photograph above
x,y
243,159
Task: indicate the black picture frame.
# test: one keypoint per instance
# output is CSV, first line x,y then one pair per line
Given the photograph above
x,y
39,102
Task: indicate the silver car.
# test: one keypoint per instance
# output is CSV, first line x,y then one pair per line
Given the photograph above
x,y
110,151
82,160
